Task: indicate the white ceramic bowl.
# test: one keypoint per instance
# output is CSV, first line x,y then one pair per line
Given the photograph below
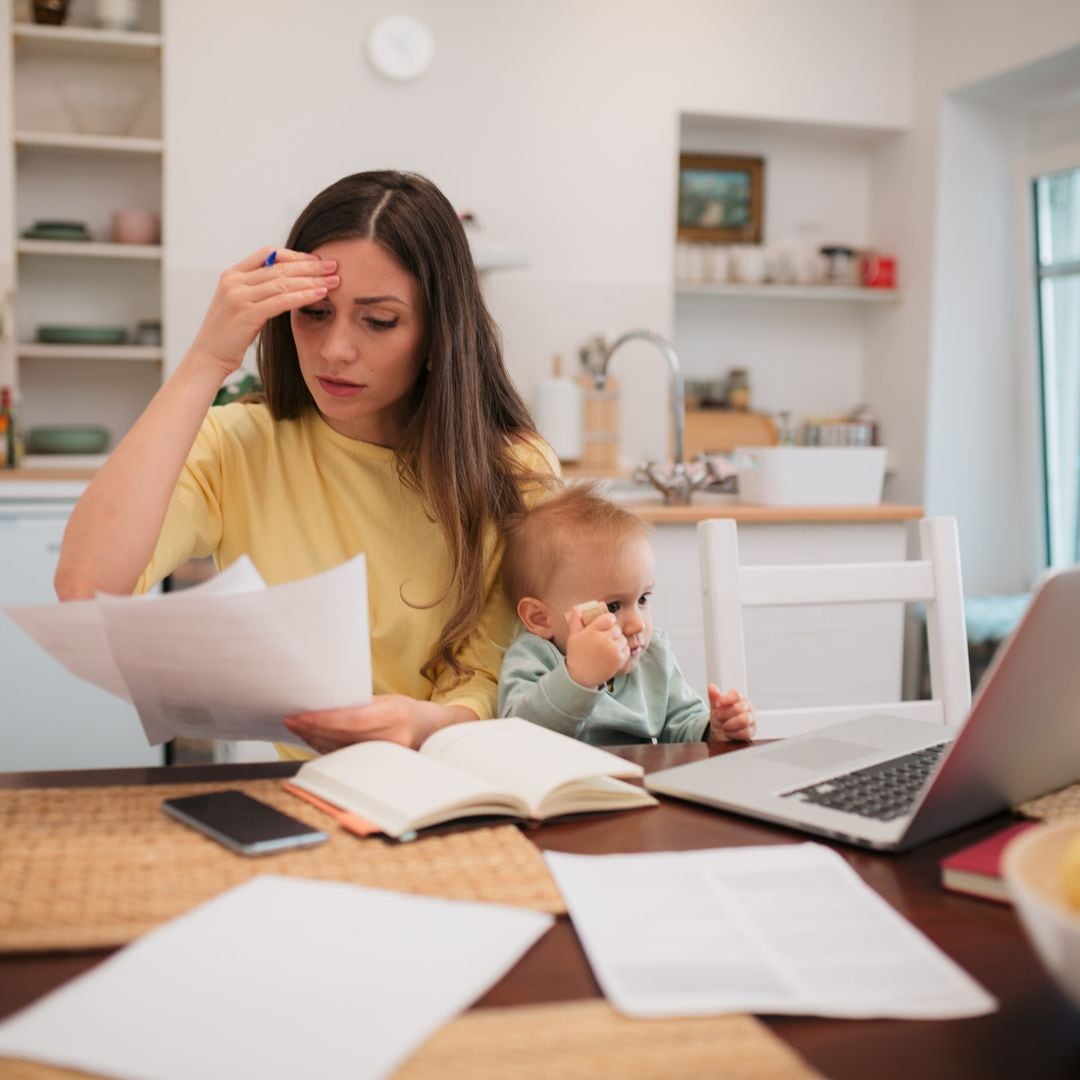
x,y
103,105
1031,866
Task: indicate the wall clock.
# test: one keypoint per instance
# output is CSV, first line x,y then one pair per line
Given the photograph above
x,y
400,47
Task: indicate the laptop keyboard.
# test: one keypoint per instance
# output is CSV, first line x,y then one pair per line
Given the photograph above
x,y
885,792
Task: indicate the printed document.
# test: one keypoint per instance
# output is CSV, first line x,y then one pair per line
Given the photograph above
x,y
786,928
214,995
227,659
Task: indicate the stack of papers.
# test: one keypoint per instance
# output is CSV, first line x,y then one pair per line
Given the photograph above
x,y
227,659
278,978
788,928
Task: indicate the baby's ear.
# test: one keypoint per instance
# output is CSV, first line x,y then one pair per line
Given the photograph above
x,y
536,617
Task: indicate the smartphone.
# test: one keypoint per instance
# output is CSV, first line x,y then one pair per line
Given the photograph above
x,y
242,823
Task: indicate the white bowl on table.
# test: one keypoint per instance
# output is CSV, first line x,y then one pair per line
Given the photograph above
x,y
1032,869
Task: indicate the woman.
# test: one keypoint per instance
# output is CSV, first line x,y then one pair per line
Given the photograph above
x,y
390,426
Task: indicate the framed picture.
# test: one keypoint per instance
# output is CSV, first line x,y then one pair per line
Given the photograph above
x,y
720,199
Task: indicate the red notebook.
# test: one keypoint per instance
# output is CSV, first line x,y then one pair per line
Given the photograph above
x,y
976,870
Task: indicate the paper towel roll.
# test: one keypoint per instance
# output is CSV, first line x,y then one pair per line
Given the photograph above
x,y
557,410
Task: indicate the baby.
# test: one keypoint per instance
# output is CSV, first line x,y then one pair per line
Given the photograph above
x,y
588,662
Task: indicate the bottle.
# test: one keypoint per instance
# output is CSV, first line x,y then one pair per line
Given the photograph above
x,y
16,442
738,389
6,456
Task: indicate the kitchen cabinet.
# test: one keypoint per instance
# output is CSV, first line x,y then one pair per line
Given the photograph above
x,y
50,719
85,141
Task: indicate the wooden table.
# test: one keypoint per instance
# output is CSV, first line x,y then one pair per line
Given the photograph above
x,y
1035,1033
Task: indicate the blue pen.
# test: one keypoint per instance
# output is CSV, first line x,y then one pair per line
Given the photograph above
x,y
271,259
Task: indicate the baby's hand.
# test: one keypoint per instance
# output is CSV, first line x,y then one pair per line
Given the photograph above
x,y
596,648
731,716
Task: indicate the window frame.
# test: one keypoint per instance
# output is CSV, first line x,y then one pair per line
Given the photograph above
x,y
1061,158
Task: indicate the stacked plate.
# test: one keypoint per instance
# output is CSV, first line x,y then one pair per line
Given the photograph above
x,y
67,439
82,335
57,230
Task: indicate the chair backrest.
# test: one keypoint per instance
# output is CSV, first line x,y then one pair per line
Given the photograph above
x,y
933,579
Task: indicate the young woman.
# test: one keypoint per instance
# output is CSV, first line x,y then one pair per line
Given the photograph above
x,y
389,426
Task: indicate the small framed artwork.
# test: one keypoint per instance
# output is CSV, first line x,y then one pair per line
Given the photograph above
x,y
720,199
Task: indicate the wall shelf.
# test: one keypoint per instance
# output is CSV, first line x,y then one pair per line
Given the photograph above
x,y
88,249
32,39
38,351
832,293
63,140
486,257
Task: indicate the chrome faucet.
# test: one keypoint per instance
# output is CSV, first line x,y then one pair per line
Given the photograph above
x,y
677,485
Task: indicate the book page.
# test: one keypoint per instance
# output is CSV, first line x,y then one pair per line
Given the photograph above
x,y
524,757
399,789
787,928
370,975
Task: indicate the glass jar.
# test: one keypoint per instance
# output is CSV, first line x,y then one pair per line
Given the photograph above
x,y
738,390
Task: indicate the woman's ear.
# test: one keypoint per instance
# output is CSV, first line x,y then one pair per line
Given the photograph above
x,y
536,617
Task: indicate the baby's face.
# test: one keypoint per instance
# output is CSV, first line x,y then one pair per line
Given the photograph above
x,y
622,578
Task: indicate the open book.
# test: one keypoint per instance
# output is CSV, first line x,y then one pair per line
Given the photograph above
x,y
480,768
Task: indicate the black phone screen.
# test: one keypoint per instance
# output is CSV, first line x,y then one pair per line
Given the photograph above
x,y
241,822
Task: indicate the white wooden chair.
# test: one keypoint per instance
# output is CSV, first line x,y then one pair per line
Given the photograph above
x,y
934,579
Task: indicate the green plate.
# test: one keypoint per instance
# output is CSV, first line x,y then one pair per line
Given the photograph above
x,y
57,230
56,234
82,335
67,439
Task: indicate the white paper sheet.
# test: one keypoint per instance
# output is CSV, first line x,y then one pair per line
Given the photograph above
x,y
227,659
280,977
74,632
788,928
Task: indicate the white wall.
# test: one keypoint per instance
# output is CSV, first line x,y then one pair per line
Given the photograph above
x,y
556,121
949,364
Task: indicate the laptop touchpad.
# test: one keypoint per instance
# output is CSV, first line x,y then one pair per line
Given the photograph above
x,y
818,753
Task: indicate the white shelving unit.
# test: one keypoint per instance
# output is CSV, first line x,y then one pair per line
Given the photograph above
x,y
63,140
61,170
111,353
32,39
87,249
826,293
808,350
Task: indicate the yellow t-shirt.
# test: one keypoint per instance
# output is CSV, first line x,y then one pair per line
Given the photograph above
x,y
299,498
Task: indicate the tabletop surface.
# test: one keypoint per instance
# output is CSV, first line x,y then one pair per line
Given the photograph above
x,y
1034,1033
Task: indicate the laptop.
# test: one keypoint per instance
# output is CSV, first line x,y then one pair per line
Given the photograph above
x,y
890,783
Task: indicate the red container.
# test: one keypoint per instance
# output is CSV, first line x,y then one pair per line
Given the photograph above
x,y
878,271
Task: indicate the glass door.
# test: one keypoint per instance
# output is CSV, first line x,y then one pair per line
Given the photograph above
x,y
1057,267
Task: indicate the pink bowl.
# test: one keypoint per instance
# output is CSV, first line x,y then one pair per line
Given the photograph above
x,y
136,227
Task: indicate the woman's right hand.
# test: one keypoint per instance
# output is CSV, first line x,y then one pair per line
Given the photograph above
x,y
250,293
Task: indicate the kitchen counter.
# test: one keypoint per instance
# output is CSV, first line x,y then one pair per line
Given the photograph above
x,y
711,506
46,472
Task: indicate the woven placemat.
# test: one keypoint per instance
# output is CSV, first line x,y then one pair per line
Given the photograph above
x,y
1061,805
89,868
579,1040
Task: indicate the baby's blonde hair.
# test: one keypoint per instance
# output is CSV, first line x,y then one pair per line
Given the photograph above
x,y
537,541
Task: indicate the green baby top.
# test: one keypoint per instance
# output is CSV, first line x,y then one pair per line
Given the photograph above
x,y
653,703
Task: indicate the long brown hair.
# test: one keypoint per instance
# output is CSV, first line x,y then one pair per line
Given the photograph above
x,y
465,412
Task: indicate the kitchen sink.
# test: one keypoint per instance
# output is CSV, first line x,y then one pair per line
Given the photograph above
x,y
632,491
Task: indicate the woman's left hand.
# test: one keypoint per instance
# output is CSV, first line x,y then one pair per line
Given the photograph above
x,y
390,717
